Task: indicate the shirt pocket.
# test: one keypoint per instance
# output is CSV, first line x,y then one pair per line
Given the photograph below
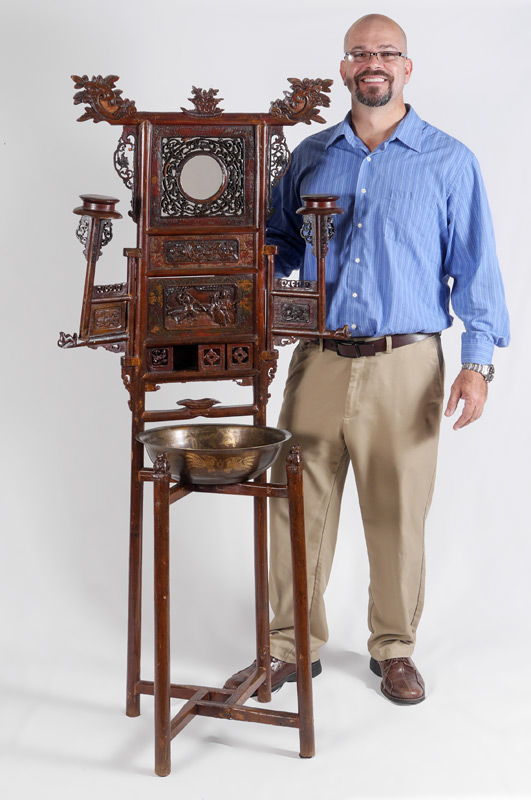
x,y
407,217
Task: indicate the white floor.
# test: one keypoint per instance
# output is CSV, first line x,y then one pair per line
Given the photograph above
x,y
65,731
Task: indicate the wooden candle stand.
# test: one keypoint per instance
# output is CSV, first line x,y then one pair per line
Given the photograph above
x,y
201,303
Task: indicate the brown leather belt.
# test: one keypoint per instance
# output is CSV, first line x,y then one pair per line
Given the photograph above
x,y
361,348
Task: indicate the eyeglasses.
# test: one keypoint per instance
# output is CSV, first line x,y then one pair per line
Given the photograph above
x,y
362,56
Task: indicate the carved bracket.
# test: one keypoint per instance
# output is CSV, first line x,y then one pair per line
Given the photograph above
x,y
279,159
282,341
104,101
124,159
112,347
82,232
301,104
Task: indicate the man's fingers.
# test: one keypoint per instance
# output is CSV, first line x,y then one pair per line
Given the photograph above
x,y
453,400
471,412
470,387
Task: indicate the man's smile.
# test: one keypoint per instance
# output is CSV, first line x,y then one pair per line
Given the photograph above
x,y
372,77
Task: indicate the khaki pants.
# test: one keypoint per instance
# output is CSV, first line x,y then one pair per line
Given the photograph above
x,y
383,414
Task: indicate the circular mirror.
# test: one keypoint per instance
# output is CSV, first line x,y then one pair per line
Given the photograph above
x,y
201,177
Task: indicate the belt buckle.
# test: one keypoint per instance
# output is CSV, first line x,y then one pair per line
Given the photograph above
x,y
356,347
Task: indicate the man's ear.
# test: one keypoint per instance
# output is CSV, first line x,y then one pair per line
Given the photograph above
x,y
342,71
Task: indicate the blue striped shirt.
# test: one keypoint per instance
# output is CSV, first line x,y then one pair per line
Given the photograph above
x,y
416,216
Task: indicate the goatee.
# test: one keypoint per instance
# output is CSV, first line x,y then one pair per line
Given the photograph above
x,y
373,100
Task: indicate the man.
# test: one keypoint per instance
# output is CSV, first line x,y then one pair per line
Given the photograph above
x,y
415,216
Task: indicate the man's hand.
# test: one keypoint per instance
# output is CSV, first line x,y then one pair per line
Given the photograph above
x,y
471,387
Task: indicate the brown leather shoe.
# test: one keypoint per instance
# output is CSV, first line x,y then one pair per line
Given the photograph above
x,y
281,673
401,681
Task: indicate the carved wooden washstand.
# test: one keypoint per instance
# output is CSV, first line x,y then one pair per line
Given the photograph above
x,y
201,303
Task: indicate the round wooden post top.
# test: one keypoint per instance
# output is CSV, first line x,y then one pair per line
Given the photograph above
x,y
98,205
320,204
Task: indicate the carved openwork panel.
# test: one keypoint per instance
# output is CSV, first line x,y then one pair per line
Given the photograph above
x,y
208,178
239,356
211,357
220,193
183,252
291,283
295,313
160,359
109,290
200,305
216,358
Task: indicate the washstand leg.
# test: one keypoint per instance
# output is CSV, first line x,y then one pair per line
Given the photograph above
x,y
134,624
262,596
161,500
300,603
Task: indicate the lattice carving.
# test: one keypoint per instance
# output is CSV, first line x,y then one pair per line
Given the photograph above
x,y
205,102
301,104
228,151
104,101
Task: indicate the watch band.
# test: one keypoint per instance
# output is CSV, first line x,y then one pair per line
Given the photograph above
x,y
487,370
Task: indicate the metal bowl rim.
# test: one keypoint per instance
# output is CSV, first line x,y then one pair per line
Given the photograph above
x,y
287,436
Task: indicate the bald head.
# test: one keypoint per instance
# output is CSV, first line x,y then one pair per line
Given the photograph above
x,y
370,22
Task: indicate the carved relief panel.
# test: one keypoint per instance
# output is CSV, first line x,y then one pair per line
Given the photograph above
x,y
196,250
202,305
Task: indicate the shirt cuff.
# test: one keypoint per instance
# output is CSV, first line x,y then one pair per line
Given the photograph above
x,y
476,351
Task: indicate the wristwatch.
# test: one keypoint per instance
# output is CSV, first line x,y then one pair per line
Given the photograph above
x,y
487,370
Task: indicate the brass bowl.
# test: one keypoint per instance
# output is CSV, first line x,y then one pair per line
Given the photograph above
x,y
215,453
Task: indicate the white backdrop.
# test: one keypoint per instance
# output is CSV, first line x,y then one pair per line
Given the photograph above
x,y
63,568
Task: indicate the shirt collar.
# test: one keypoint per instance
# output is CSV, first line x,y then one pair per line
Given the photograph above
x,y
408,131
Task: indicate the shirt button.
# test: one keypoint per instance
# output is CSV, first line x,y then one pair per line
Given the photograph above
x,y
353,326
360,225
363,191
357,260
354,294
369,158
